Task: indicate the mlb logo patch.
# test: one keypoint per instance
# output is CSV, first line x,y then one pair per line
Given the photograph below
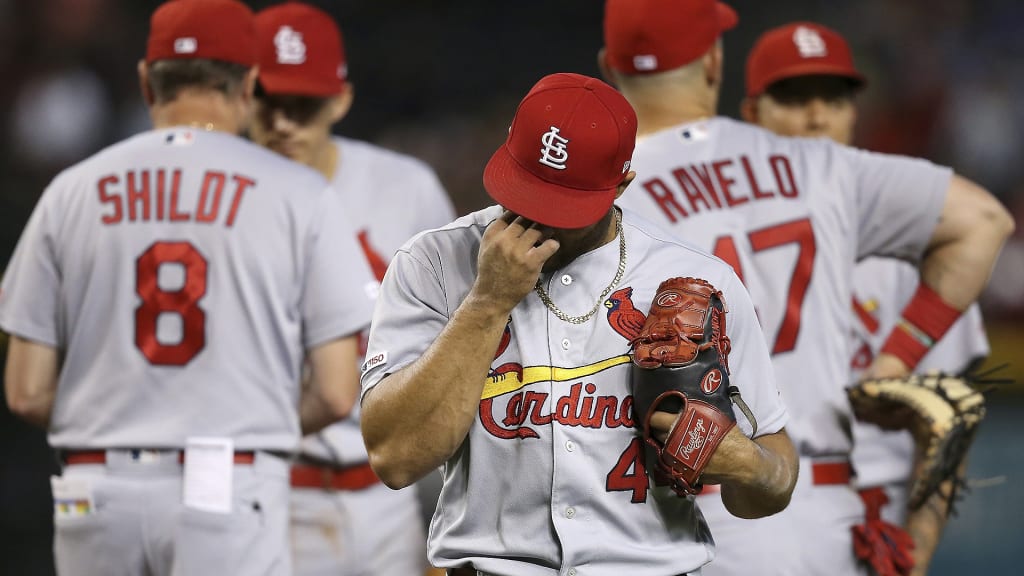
x,y
186,45
644,62
694,133
180,138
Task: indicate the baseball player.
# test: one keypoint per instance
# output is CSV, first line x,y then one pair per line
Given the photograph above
x,y
344,521
801,81
161,302
499,338
792,216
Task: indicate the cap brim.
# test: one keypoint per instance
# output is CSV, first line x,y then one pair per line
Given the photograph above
x,y
727,17
522,192
815,69
274,83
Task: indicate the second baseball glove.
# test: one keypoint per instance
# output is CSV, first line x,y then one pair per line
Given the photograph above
x,y
681,365
942,411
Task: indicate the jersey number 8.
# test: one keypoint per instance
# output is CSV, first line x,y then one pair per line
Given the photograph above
x,y
184,302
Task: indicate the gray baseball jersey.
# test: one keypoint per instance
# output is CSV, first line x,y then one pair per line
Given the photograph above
x,y
792,216
388,198
554,463
182,274
882,287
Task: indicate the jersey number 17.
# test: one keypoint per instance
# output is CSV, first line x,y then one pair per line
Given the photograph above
x,y
798,232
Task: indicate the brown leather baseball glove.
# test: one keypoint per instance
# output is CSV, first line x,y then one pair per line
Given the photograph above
x,y
681,365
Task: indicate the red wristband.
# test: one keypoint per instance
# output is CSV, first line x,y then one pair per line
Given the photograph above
x,y
925,320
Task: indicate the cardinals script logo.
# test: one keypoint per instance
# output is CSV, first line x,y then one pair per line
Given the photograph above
x,y
622,316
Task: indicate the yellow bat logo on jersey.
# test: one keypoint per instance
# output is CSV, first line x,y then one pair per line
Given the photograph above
x,y
509,379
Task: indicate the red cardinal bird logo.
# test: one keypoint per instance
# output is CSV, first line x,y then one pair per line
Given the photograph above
x,y
377,262
623,317
506,337
516,367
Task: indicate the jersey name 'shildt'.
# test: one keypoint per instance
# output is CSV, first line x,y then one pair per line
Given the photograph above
x,y
155,195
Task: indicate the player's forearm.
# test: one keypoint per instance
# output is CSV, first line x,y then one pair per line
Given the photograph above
x,y
315,414
33,408
925,524
973,228
436,397
30,380
330,388
760,483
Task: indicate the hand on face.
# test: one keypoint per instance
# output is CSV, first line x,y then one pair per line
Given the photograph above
x,y
512,252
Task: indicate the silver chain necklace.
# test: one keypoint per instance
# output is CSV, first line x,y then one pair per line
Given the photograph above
x,y
600,299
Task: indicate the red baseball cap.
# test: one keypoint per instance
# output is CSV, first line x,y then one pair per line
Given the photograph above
x,y
567,151
646,36
209,29
300,51
799,49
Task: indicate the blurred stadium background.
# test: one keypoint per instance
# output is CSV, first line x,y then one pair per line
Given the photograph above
x,y
440,80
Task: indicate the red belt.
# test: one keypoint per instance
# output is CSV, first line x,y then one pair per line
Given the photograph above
x,y
353,478
100,457
822,474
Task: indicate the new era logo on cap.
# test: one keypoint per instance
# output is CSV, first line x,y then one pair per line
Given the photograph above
x,y
809,43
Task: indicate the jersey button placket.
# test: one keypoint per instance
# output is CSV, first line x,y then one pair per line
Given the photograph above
x,y
571,572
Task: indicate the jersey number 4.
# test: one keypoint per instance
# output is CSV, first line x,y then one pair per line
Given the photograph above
x,y
798,232
182,302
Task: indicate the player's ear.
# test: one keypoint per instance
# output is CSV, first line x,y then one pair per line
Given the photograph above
x,y
713,60
249,85
147,92
625,182
748,110
247,99
342,102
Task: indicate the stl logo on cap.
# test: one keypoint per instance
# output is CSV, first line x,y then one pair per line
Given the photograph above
x,y
809,43
290,47
554,153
